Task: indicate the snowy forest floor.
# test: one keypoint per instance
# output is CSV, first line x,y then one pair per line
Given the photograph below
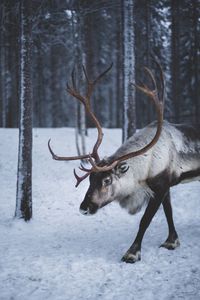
x,y
61,254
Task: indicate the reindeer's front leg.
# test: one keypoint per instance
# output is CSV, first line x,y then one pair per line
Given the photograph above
x,y
172,242
134,252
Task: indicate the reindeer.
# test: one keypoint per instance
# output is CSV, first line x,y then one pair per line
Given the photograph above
x,y
143,169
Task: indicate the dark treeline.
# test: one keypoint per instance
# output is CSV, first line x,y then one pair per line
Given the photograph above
x,y
69,33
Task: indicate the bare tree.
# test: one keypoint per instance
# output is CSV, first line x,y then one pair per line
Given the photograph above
x,y
3,67
129,109
80,60
195,63
63,30
175,44
24,175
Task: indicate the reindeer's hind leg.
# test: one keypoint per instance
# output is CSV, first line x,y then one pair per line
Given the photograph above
x,y
172,242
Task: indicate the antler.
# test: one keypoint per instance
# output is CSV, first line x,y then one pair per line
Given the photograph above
x,y
153,95
85,100
93,158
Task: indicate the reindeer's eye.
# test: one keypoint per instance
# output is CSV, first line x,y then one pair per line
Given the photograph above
x,y
106,181
124,168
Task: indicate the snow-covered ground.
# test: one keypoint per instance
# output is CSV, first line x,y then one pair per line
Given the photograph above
x,y
61,254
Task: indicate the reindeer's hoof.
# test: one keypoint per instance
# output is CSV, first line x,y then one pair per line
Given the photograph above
x,y
171,245
131,258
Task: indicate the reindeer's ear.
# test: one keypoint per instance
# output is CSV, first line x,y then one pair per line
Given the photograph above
x,y
122,168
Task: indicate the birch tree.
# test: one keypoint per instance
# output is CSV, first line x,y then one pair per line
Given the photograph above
x,y
129,109
24,174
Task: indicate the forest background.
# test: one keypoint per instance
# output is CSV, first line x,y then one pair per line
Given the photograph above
x,y
68,33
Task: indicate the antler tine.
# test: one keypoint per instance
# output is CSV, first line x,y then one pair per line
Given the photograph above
x,y
153,94
56,157
161,76
72,91
82,168
79,179
91,84
86,75
155,98
103,73
96,168
73,76
162,83
152,77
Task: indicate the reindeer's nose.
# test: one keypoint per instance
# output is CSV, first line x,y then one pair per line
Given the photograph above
x,y
88,208
84,212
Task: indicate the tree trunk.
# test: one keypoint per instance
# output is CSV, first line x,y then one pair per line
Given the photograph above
x,y
129,109
195,62
12,73
24,175
119,75
175,10
79,46
2,79
150,111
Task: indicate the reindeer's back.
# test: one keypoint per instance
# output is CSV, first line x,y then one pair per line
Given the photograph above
x,y
184,163
176,152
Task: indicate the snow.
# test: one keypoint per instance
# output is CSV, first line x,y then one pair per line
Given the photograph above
x,y
61,254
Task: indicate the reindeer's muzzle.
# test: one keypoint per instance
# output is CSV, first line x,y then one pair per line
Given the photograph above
x,y
88,208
